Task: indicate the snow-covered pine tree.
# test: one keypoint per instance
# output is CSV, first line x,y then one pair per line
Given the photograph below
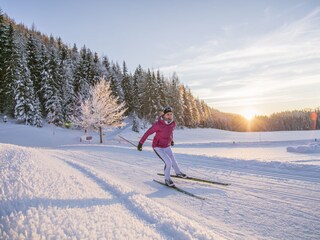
x,y
194,110
3,43
135,123
68,96
115,81
187,108
23,89
90,75
53,94
162,89
157,95
34,64
72,101
10,73
203,115
93,68
96,68
81,83
75,56
149,98
174,99
106,68
44,75
101,110
127,88
37,117
138,79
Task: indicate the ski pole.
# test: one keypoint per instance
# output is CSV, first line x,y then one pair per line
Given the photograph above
x,y
127,141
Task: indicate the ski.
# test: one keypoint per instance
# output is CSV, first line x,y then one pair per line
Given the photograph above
x,y
180,190
198,180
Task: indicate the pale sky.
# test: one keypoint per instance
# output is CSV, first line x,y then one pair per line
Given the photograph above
x,y
239,56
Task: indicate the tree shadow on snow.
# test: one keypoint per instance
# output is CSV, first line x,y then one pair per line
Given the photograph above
x,y
24,204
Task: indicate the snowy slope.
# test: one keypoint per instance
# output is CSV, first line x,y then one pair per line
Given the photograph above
x,y
72,190
40,200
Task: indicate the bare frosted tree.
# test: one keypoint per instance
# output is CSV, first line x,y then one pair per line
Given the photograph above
x,y
101,110
85,117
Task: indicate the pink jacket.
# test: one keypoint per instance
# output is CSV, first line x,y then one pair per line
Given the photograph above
x,y
164,133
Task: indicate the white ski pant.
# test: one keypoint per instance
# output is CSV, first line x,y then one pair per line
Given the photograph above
x,y
166,155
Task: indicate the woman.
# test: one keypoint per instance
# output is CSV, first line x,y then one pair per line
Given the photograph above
x,y
162,142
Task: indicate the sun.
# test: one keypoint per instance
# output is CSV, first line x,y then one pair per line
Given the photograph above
x,y
248,113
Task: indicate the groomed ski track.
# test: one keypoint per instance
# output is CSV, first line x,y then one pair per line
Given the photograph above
x,y
91,191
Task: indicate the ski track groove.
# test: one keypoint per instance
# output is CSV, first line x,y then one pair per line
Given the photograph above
x,y
258,172
241,183
100,162
124,198
244,186
216,162
268,200
264,187
139,213
275,196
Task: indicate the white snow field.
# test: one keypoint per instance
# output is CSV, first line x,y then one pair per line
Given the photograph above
x,y
54,187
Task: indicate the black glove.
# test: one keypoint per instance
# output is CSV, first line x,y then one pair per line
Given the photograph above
x,y
139,147
172,143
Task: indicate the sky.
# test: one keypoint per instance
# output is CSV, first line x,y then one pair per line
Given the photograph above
x,y
248,57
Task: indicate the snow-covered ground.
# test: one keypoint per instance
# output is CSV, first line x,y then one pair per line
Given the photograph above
x,y
54,187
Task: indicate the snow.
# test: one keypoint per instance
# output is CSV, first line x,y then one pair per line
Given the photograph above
x,y
53,186
310,148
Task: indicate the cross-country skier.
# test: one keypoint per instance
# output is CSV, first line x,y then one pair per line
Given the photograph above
x,y
162,142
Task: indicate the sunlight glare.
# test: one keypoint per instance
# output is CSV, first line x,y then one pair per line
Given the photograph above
x,y
249,114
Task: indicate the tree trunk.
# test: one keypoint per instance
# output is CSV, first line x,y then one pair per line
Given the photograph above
x,y
100,130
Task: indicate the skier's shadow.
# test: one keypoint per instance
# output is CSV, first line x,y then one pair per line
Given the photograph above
x,y
161,191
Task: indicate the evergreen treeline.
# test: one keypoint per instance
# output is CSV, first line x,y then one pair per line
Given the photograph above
x,y
43,78
308,119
